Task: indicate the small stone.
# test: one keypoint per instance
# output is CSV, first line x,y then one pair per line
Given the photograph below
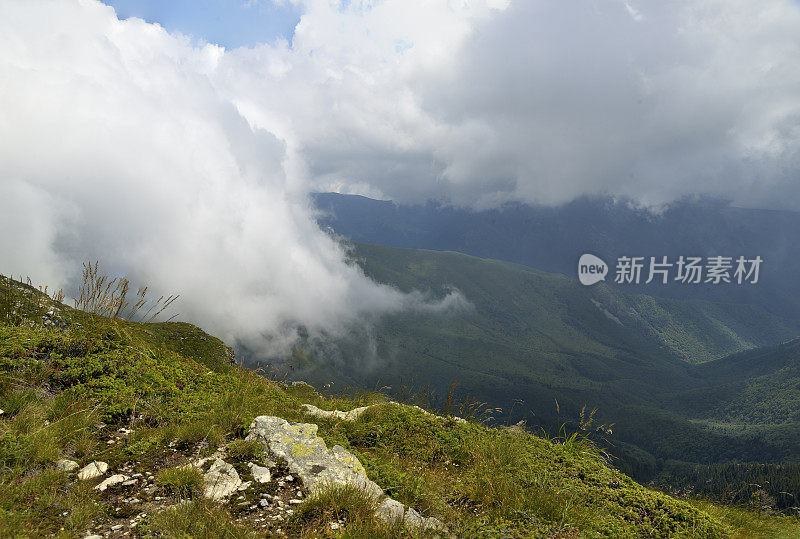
x,y
244,486
129,482
221,480
334,525
391,511
66,465
135,500
263,503
93,469
93,537
295,501
117,527
1,412
111,481
288,478
260,473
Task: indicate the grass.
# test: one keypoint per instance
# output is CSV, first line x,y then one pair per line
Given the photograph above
x,y
185,481
336,504
57,386
38,501
745,522
199,519
246,450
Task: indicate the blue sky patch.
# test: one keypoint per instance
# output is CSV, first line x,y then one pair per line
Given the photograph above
x,y
230,23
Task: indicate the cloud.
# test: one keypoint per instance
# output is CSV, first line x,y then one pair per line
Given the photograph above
x,y
115,145
480,102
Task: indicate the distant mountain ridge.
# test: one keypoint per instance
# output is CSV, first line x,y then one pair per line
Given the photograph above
x,y
687,373
553,238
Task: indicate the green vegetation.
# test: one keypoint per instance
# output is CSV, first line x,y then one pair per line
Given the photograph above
x,y
246,450
184,481
538,347
341,503
199,519
768,487
64,391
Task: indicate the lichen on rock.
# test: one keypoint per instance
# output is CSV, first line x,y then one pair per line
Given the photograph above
x,y
307,456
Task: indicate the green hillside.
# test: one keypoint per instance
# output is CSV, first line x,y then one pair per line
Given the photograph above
x,y
541,347
147,399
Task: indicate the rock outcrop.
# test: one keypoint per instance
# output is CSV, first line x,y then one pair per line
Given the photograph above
x,y
352,415
307,456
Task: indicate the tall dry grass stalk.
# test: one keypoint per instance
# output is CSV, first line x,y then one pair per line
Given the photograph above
x,y
104,296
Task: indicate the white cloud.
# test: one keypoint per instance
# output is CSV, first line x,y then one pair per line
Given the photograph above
x,y
114,145
480,102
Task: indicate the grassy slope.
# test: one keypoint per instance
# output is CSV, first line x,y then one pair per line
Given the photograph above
x,y
534,337
56,385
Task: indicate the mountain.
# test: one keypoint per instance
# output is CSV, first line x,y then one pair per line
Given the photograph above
x,y
553,238
530,339
129,429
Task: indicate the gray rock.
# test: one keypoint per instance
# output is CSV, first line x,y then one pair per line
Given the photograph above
x,y
260,473
263,503
352,415
66,465
307,455
319,467
391,510
93,469
221,480
111,481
